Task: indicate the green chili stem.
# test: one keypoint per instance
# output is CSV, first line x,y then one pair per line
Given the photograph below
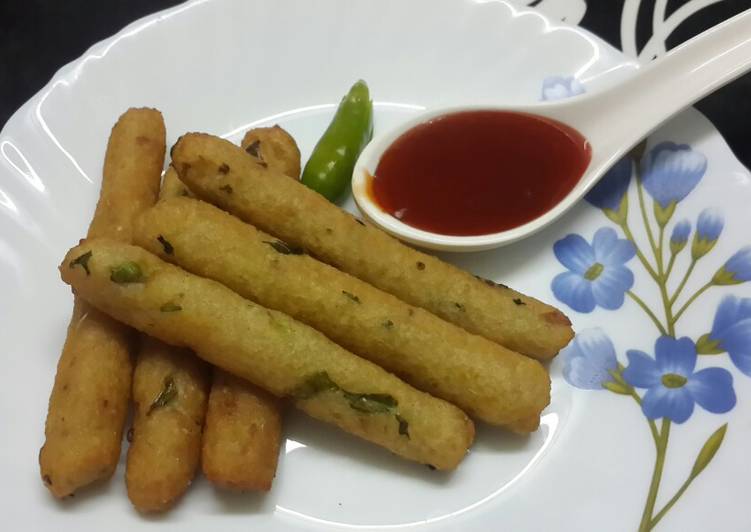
x,y
662,444
683,282
685,306
646,309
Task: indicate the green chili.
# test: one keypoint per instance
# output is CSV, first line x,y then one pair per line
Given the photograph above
x,y
329,169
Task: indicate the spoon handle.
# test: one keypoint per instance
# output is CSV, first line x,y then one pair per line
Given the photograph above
x,y
664,87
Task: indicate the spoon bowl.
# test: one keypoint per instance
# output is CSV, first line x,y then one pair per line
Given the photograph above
x,y
613,121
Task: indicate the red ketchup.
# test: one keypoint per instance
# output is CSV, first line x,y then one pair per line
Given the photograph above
x,y
479,172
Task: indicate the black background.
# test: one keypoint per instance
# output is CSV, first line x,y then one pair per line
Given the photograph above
x,y
37,37
728,108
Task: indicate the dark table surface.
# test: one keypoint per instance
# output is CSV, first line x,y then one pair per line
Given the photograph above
x,y
39,36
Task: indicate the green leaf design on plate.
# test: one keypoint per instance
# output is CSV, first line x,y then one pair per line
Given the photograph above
x,y
710,448
706,346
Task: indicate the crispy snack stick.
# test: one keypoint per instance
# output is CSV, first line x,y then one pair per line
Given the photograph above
x,y
242,435
132,166
165,448
172,187
170,391
243,427
274,147
483,378
270,349
219,172
89,400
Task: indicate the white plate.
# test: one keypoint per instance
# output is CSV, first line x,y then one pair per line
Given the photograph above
x,y
221,66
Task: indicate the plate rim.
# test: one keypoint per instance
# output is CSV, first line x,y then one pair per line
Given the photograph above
x,y
99,50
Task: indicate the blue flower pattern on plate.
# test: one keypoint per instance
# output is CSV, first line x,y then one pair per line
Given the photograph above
x,y
731,332
608,193
671,171
679,236
589,359
597,273
668,385
709,225
736,270
708,229
561,87
672,384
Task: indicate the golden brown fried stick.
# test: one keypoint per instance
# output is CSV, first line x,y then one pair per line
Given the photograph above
x,y
268,348
132,167
89,400
241,436
274,147
165,450
88,404
483,378
243,427
170,391
221,173
172,187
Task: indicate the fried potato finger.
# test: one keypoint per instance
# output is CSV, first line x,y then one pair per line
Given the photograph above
x,y
89,399
270,349
243,427
88,404
164,454
241,436
170,390
483,378
132,168
172,187
274,147
221,173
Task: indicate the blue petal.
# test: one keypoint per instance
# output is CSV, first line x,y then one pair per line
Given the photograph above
x,y
609,191
574,253
730,311
610,287
641,371
610,250
671,171
622,252
675,404
588,360
560,87
580,373
732,330
712,388
574,290
709,225
681,230
603,242
742,359
675,356
740,264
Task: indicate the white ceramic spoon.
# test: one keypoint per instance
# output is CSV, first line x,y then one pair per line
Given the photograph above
x,y
613,121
